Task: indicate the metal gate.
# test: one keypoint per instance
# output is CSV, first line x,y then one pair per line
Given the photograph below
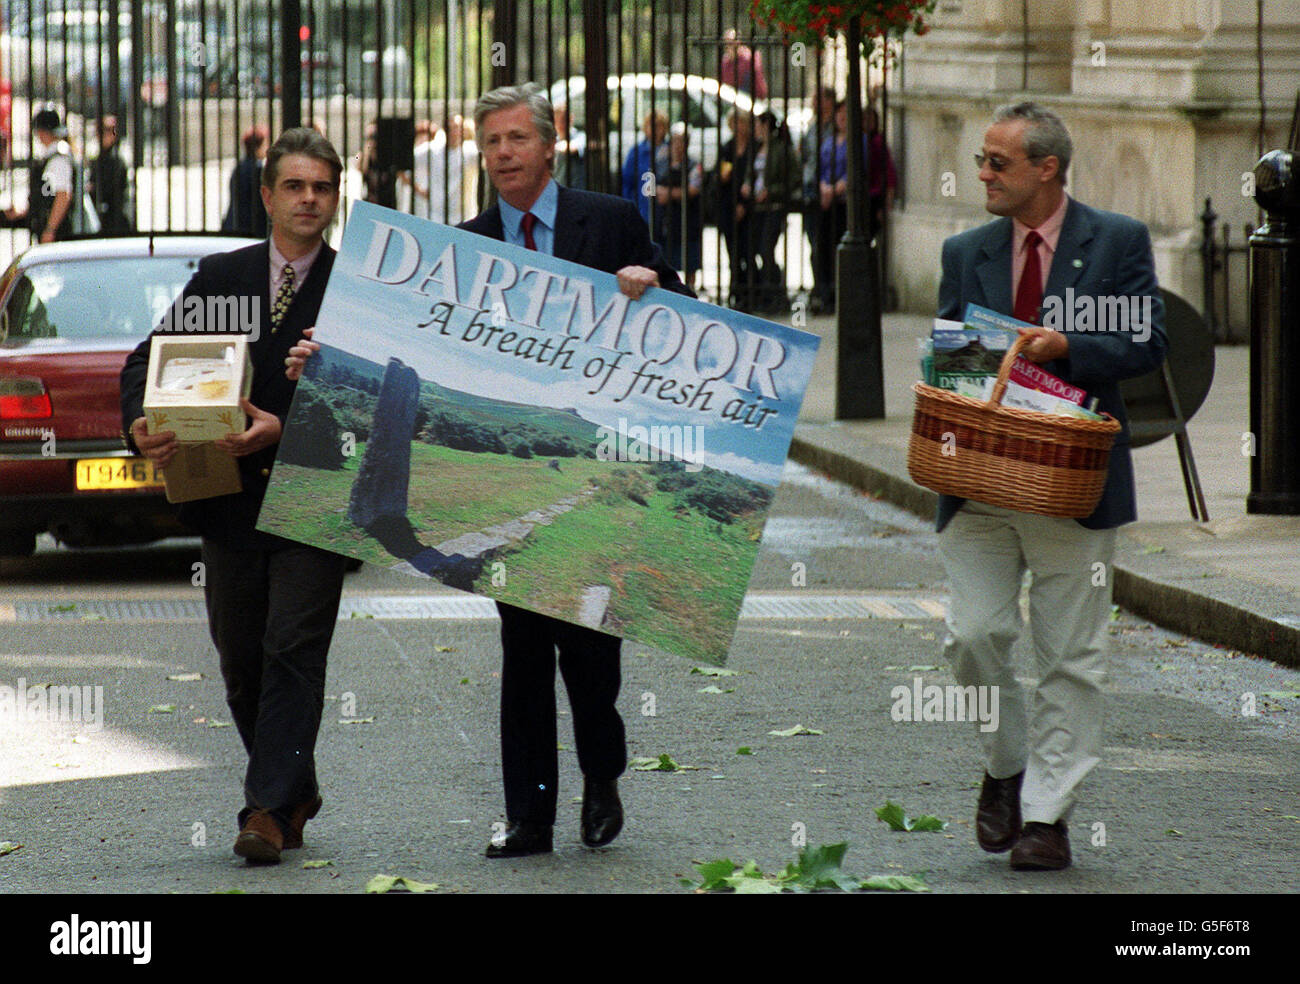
x,y
185,80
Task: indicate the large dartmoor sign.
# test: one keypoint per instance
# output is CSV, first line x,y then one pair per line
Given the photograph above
x,y
513,425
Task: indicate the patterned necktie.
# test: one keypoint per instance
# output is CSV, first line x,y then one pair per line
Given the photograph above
x,y
283,298
1029,295
529,220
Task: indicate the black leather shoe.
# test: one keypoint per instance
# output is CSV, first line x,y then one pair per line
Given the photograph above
x,y
602,811
1042,847
521,839
997,820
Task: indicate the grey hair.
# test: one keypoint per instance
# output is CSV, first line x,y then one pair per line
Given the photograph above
x,y
1045,134
300,140
529,94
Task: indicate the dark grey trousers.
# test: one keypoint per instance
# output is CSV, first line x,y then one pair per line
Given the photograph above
x,y
589,662
272,615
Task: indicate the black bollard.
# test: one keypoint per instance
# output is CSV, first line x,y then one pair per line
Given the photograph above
x,y
1275,337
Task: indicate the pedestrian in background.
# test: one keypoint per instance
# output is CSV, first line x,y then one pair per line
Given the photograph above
x,y
246,215
380,182
678,183
810,145
833,191
51,183
775,183
735,161
882,179
570,151
742,67
108,183
640,164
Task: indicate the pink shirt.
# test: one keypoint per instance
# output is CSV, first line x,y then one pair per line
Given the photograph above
x,y
300,267
1050,230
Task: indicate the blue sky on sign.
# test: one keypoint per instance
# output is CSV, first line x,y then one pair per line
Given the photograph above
x,y
378,321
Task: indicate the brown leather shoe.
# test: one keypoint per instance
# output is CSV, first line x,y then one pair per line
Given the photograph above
x,y
260,840
1042,847
997,819
303,812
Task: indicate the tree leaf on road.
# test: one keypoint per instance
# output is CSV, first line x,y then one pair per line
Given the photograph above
x,y
396,883
8,847
715,689
322,863
214,723
162,709
185,677
894,883
892,814
712,671
797,729
1281,694
369,720
815,869
445,649
664,763
744,750
818,867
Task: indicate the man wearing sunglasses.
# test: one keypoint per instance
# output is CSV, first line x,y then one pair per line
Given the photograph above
x,y
1043,245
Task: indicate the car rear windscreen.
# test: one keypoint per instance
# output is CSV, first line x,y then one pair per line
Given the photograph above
x,y
115,300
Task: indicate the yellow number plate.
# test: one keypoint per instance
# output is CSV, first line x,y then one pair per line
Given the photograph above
x,y
117,473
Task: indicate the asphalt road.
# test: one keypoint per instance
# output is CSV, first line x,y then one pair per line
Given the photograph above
x,y
1192,796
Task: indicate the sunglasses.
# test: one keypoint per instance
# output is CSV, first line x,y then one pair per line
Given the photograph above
x,y
998,164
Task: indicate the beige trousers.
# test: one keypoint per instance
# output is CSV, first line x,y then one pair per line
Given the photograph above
x,y
1055,737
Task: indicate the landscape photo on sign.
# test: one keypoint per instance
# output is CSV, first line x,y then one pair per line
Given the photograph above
x,y
511,424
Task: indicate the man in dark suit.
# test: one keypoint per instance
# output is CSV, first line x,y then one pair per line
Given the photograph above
x,y
272,603
1046,251
516,137
109,184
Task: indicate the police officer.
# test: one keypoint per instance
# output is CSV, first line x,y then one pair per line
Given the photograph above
x,y
50,182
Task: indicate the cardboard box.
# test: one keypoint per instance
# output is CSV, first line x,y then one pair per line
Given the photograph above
x,y
195,384
201,471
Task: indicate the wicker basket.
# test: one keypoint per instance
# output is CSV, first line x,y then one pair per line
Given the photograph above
x,y
1005,456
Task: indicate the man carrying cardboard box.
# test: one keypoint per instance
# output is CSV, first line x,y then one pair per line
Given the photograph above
x,y
272,604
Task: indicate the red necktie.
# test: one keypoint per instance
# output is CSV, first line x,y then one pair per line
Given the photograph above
x,y
528,222
1029,295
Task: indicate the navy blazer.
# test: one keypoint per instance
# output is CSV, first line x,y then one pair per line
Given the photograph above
x,y
1098,254
599,231
232,519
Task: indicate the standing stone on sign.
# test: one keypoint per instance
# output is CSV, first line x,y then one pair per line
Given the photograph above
x,y
381,485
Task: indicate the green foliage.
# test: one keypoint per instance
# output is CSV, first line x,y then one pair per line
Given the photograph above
x,y
815,869
810,22
892,814
717,494
315,439
626,483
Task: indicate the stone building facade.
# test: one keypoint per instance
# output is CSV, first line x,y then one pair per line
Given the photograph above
x,y
1160,96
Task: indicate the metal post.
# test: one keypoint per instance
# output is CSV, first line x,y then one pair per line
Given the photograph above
x,y
291,64
860,379
595,65
1208,218
172,109
1275,337
505,20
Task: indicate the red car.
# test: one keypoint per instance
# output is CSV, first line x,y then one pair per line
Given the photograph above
x,y
69,315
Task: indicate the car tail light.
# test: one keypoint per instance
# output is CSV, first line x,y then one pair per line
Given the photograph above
x,y
24,398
